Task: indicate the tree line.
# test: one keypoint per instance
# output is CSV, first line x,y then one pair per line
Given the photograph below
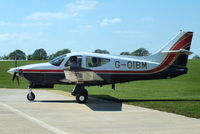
x,y
41,54
38,54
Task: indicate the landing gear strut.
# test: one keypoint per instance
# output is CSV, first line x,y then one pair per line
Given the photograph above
x,y
81,93
30,95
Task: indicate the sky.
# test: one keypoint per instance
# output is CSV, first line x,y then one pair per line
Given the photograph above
x,y
85,25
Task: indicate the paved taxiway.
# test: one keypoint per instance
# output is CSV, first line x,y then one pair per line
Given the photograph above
x,y
56,112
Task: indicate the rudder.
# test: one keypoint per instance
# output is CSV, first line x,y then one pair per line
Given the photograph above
x,y
182,49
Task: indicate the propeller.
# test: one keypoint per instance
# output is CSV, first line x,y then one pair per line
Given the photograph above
x,y
15,76
16,73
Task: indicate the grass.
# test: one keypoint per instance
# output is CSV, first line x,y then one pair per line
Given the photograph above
x,y
6,78
180,95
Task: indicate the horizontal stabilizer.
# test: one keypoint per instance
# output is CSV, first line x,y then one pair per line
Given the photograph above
x,y
181,51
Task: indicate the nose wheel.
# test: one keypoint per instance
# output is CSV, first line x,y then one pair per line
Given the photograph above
x,y
31,95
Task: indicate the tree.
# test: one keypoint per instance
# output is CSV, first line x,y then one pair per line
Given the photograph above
x,y
58,53
140,52
5,57
125,53
29,57
39,54
196,57
101,51
17,55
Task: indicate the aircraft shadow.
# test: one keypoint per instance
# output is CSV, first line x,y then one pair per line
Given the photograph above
x,y
95,103
56,101
98,103
109,103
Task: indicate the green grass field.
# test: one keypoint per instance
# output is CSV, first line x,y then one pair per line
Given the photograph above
x,y
180,95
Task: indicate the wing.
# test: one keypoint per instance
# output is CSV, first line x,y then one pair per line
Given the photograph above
x,y
81,75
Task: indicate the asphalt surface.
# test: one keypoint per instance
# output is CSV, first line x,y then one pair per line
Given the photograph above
x,y
57,112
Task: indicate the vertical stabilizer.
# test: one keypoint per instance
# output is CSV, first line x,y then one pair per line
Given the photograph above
x,y
178,48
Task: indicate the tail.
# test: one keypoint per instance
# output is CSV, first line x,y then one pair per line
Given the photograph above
x,y
176,50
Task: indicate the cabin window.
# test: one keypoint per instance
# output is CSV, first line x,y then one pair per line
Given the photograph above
x,y
95,61
74,61
58,60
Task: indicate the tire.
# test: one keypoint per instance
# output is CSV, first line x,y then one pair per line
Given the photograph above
x,y
31,96
82,98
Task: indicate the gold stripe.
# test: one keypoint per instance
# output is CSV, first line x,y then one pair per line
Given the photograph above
x,y
182,38
61,92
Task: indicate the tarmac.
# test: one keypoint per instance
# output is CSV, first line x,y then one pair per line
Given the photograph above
x,y
58,112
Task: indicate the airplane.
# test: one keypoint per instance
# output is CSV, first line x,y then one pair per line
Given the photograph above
x,y
92,69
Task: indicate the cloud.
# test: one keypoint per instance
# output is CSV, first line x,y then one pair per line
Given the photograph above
x,y
107,22
21,36
48,15
148,19
29,36
40,24
71,11
83,28
3,23
8,36
82,5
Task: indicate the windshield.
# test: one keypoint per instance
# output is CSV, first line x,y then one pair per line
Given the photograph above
x,y
58,60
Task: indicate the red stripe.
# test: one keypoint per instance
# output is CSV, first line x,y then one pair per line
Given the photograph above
x,y
41,70
183,42
161,67
170,58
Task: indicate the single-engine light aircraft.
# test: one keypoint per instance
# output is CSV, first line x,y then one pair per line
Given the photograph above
x,y
91,69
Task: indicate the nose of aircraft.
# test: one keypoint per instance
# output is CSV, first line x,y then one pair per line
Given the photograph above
x,y
13,70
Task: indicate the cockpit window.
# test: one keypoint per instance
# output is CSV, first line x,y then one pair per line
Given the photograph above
x,y
74,61
95,61
58,60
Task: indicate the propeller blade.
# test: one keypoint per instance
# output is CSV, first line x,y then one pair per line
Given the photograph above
x,y
17,79
14,76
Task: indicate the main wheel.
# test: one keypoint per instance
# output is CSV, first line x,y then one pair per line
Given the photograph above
x,y
31,96
83,97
